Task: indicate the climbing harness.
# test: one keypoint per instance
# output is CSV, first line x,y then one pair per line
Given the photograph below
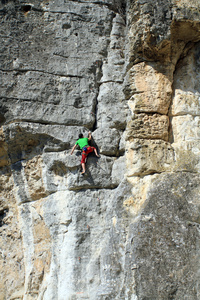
x,y
84,148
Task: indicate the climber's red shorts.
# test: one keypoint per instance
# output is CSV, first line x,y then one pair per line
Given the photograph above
x,y
85,153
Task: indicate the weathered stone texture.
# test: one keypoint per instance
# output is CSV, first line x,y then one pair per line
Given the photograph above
x,y
149,88
110,143
129,72
11,249
146,126
145,157
166,239
186,85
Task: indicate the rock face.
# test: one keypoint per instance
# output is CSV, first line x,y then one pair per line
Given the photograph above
x,y
129,72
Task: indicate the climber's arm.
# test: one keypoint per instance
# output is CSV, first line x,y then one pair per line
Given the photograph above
x,y
89,136
73,149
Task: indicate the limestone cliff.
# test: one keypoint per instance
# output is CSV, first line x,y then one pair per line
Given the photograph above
x,y
129,72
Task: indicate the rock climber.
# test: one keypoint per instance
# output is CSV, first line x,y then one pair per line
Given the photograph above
x,y
86,149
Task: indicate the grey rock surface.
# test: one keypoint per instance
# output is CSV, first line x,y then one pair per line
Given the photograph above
x,y
109,145
128,71
166,239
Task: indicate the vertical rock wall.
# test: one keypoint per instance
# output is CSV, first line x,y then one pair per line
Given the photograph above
x,y
163,147
127,71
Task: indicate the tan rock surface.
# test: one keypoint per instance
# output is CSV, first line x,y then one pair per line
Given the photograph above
x,y
151,88
148,156
139,193
11,244
4,159
147,126
34,178
186,86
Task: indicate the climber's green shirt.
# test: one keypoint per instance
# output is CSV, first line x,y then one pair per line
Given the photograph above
x,y
82,142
